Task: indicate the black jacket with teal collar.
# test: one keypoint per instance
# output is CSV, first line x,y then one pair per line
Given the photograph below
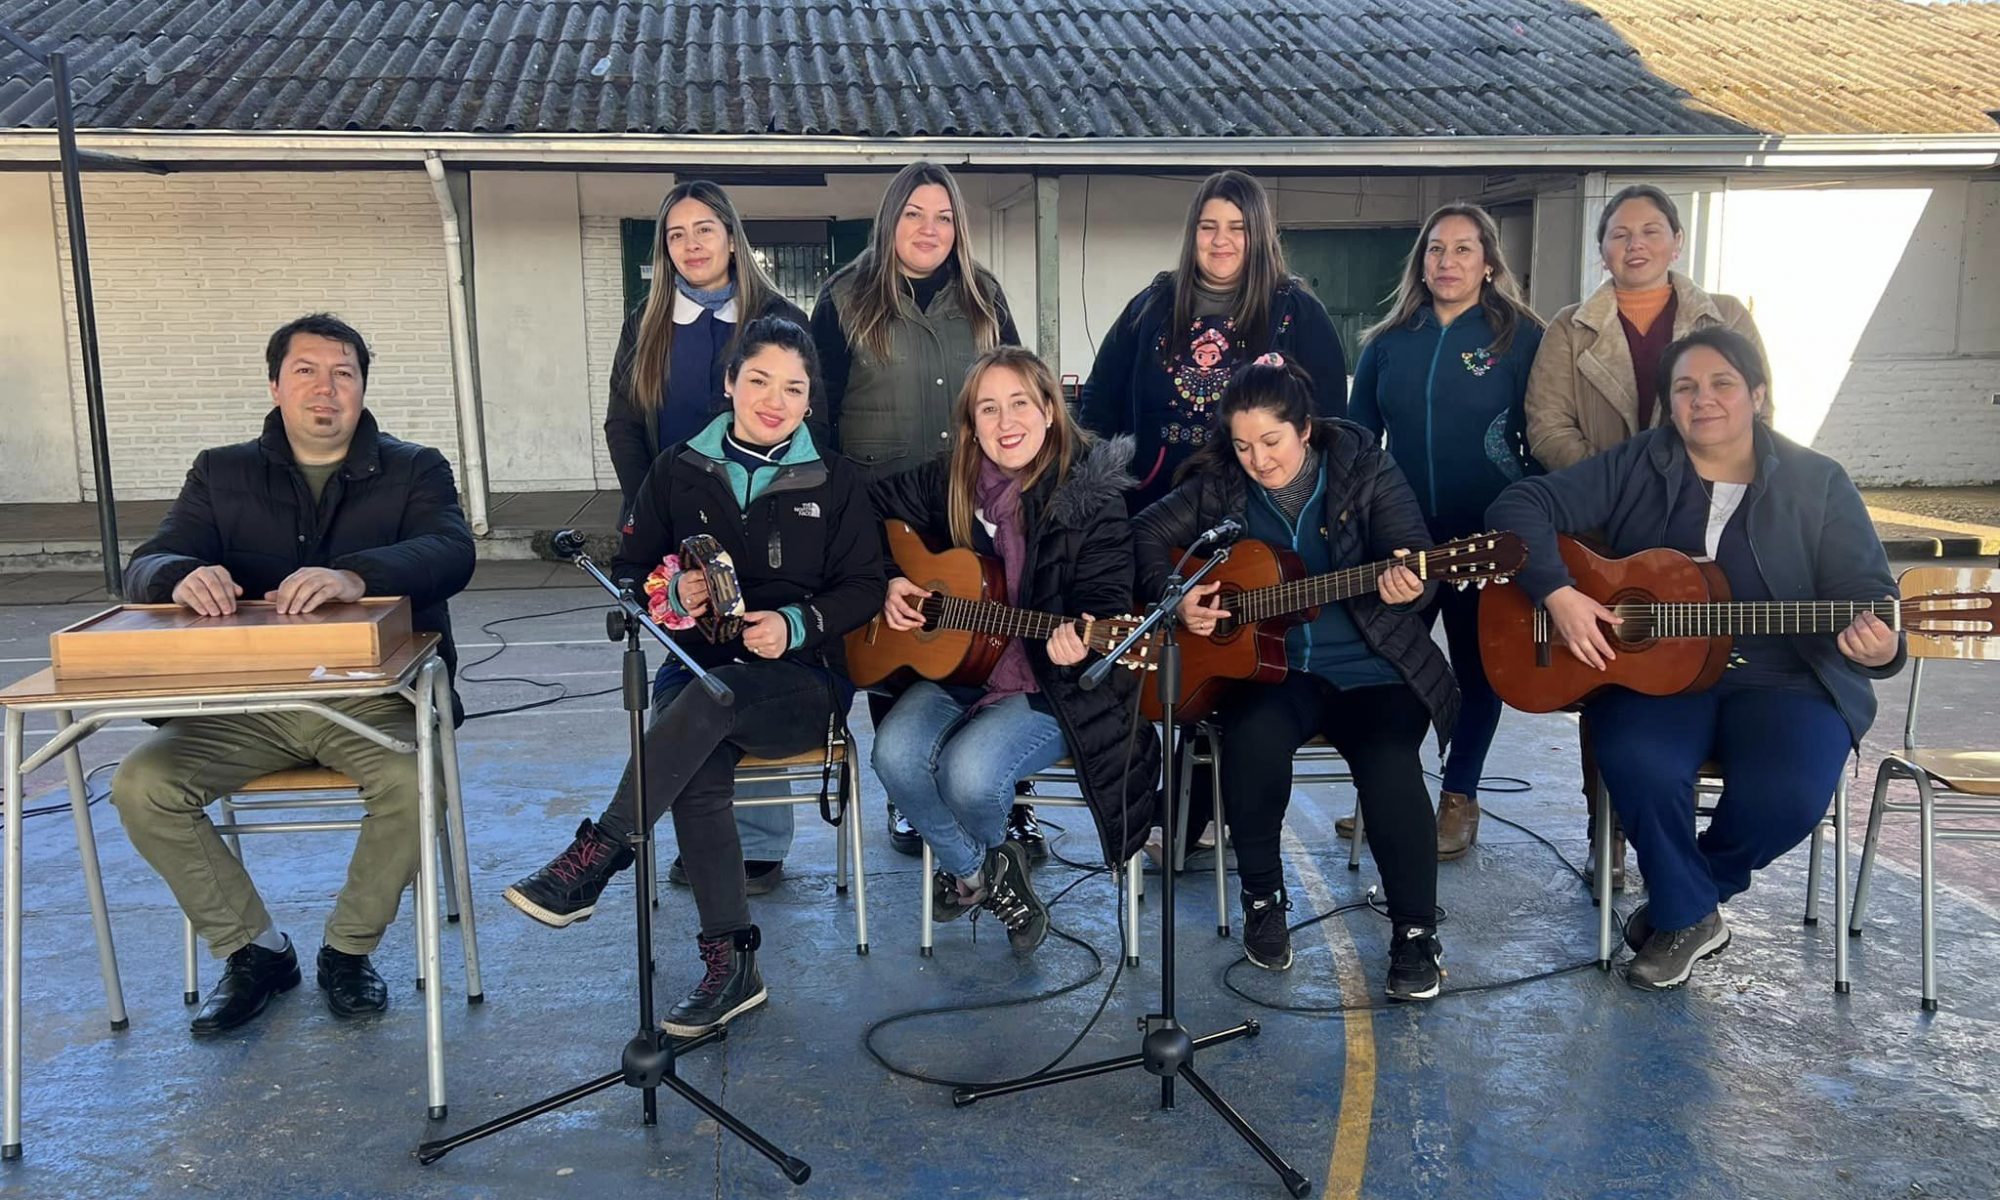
x,y
1808,530
803,536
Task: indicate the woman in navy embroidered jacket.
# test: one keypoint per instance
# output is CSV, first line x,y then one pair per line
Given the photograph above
x,y
1444,376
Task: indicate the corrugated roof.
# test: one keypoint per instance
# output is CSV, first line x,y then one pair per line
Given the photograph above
x,y
1010,68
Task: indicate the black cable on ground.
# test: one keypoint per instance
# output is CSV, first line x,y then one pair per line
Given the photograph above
x,y
89,797
563,693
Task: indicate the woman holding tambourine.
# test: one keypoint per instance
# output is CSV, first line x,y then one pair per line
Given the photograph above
x,y
761,545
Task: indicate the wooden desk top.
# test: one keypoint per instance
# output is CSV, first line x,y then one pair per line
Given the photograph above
x,y
44,689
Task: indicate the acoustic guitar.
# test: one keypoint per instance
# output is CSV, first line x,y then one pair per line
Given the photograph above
x,y
1266,591
967,622
1678,620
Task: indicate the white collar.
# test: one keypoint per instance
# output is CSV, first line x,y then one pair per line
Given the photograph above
x,y
687,311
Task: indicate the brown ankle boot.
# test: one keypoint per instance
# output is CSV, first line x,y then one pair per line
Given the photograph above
x,y
1458,825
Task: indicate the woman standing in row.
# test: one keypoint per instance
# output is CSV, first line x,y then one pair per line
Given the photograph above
x,y
1161,371
1444,376
897,329
1023,484
667,385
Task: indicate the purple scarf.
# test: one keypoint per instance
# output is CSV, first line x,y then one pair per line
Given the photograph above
x,y
1000,502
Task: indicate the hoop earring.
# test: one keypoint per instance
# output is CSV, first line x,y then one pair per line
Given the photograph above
x,y
809,410
1489,276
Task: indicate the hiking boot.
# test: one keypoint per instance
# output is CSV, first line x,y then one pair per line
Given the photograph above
x,y
730,985
566,891
1011,897
950,899
1669,955
1267,934
1416,960
1638,927
1458,825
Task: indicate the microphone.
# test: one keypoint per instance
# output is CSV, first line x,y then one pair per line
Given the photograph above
x,y
567,543
1226,530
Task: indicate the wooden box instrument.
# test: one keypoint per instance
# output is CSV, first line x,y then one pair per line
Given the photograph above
x,y
167,639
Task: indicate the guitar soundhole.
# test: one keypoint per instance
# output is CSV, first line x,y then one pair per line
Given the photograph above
x,y
1633,635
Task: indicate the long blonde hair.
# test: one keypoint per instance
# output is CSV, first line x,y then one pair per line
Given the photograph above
x,y
1500,296
1059,444
878,279
654,348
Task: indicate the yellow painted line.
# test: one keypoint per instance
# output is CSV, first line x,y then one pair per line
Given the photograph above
x,y
1896,516
1349,1158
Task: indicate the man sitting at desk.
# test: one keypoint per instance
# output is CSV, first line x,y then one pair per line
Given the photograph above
x,y
322,507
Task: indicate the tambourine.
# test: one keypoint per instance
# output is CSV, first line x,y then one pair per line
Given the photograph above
x,y
724,619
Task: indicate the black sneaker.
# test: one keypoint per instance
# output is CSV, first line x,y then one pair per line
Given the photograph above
x,y
948,903
566,891
730,987
1010,896
1669,955
1415,963
903,836
1023,828
1267,934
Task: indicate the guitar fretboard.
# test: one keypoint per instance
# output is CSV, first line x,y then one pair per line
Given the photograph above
x,y
1727,618
984,616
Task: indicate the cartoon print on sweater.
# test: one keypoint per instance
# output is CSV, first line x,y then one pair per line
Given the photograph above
x,y
1200,373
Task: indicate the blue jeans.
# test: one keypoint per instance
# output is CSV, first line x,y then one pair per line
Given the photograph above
x,y
1781,754
765,831
952,771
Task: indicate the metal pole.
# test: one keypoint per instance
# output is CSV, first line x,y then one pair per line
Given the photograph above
x,y
86,330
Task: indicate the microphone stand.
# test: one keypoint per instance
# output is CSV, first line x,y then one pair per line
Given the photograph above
x,y
1166,1049
648,1059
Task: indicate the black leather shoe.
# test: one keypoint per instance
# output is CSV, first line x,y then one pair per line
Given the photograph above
x,y
903,836
352,986
253,976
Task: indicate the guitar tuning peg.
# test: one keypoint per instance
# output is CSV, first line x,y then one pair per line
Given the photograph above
x,y
1482,585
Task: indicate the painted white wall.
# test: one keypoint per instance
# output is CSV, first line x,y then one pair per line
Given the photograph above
x,y
192,273
528,300
38,440
1876,302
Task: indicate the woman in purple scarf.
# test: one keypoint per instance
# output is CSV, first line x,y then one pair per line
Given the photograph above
x,y
1022,484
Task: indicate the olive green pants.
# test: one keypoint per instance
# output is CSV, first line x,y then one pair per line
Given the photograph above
x,y
164,787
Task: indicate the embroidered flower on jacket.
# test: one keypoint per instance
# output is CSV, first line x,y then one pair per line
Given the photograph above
x,y
1479,361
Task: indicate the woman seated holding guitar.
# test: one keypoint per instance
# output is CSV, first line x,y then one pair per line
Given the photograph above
x,y
1364,673
1021,483
1783,523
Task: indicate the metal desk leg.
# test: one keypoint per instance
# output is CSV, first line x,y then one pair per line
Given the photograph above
x,y
461,852
93,880
10,1034
428,921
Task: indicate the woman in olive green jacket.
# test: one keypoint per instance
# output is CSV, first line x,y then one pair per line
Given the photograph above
x,y
1591,385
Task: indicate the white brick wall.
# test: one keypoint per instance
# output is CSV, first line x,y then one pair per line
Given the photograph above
x,y
191,273
1916,421
603,314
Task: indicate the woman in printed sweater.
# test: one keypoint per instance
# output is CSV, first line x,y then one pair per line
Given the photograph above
x,y
1444,376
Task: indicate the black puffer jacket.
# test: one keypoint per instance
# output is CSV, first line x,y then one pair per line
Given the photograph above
x,y
390,515
1370,514
1079,560
806,540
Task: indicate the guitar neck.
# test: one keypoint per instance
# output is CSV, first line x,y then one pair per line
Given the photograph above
x,y
1281,599
984,616
1728,618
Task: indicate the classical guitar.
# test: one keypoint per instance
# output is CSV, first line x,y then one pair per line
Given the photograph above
x,y
1266,590
1678,620
967,622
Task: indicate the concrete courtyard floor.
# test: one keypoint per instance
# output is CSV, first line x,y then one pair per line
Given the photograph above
x,y
1755,1081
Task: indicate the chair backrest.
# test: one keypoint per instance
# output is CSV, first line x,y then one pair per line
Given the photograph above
x,y
1955,588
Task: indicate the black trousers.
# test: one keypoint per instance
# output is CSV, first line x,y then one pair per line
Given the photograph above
x,y
1379,731
692,748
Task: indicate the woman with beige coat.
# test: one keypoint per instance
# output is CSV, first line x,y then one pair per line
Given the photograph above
x,y
1593,382
1591,385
